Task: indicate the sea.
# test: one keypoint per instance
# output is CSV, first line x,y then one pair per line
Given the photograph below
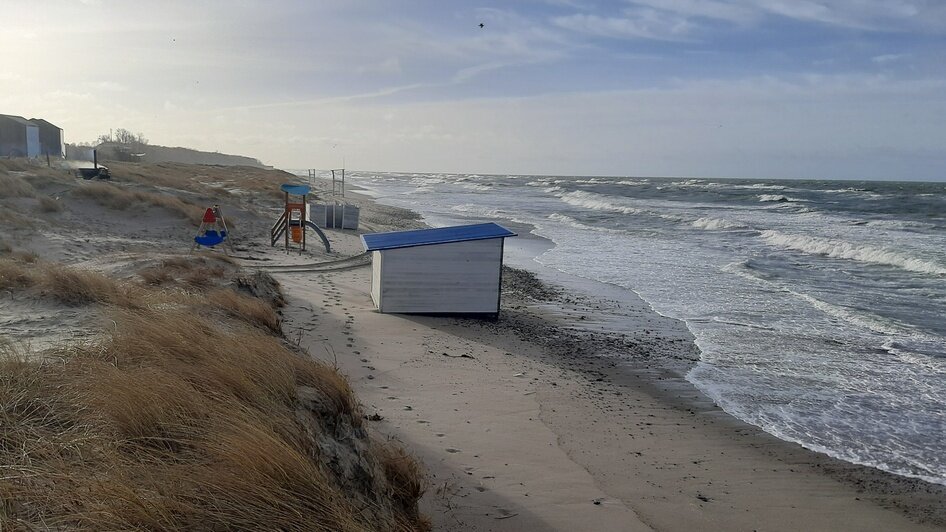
x,y
819,307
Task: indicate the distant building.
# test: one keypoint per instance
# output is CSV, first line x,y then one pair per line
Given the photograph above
x,y
50,138
19,137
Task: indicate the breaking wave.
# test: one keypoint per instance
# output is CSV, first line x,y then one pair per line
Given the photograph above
x,y
900,224
776,198
568,220
598,202
845,250
715,224
760,186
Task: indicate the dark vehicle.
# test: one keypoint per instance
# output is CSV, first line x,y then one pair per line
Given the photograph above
x,y
101,172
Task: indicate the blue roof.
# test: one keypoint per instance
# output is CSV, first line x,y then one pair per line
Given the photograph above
x,y
298,190
440,235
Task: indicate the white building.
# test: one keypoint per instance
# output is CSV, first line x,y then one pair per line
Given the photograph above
x,y
448,270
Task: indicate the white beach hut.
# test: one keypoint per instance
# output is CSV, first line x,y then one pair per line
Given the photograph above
x,y
448,270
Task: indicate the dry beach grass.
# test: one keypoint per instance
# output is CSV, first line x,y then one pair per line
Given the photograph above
x,y
114,197
174,419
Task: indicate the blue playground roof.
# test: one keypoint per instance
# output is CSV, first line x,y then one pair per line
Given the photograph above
x,y
440,235
298,190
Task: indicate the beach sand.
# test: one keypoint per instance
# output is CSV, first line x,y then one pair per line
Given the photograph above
x,y
524,423
523,426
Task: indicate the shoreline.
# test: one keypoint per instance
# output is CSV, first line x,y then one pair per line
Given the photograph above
x,y
521,255
594,406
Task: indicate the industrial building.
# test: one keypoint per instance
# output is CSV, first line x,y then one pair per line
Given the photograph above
x,y
18,137
36,137
51,141
447,270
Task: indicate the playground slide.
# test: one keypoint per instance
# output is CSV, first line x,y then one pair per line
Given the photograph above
x,y
328,247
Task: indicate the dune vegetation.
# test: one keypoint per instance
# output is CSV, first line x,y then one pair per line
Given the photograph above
x,y
186,415
114,197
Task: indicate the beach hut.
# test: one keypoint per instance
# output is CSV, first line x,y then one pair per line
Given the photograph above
x,y
447,270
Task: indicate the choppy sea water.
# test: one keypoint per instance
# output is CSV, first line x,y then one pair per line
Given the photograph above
x,y
819,306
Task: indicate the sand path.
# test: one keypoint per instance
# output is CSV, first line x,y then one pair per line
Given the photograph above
x,y
475,422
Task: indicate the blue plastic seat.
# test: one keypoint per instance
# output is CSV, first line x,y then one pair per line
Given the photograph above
x,y
211,238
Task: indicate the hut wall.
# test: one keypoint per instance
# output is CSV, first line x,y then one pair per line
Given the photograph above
x,y
459,277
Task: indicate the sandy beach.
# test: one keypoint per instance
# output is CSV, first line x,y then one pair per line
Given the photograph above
x,y
527,422
524,427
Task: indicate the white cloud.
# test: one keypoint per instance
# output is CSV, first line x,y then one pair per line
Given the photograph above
x,y
879,15
711,9
888,58
634,24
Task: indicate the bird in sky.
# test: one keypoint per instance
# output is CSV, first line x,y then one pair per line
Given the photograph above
x,y
482,25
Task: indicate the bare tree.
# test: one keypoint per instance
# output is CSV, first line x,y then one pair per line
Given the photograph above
x,y
123,136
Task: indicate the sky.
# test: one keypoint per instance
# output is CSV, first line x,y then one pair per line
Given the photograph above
x,y
847,89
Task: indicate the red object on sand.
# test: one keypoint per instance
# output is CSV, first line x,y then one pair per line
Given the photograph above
x,y
209,217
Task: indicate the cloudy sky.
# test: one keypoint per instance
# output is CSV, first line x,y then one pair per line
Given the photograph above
x,y
741,88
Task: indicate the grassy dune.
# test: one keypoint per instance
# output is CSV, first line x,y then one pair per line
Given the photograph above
x,y
113,197
180,417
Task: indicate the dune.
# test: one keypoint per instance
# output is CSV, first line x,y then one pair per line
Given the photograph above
x,y
143,387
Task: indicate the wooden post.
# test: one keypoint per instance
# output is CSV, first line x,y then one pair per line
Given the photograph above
x,y
302,220
288,224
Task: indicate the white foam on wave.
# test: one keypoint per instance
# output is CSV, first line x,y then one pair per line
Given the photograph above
x,y
571,222
689,183
598,202
477,187
767,198
716,224
845,250
478,210
900,224
861,319
427,180
633,182
851,190
760,186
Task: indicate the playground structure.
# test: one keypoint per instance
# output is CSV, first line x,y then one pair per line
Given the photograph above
x,y
293,222
213,230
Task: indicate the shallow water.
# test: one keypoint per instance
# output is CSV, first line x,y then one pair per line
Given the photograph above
x,y
818,305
